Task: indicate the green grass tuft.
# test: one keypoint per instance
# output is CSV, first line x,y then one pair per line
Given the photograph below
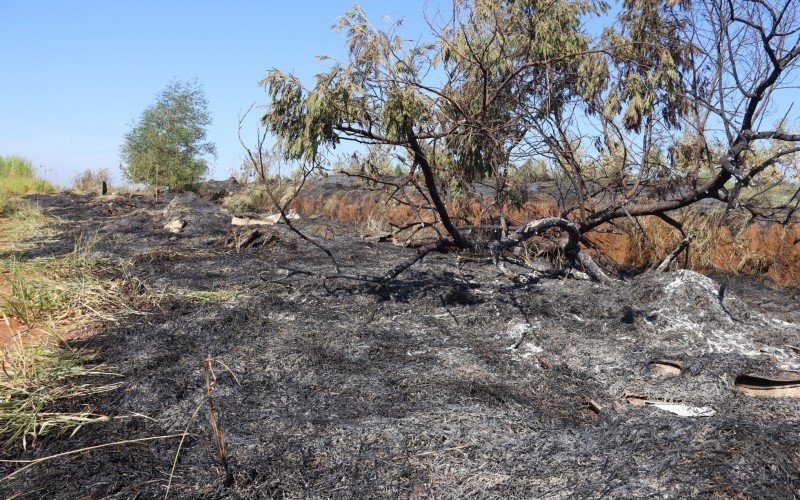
x,y
37,377
16,166
42,378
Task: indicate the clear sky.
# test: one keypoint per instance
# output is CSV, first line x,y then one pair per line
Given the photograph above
x,y
77,73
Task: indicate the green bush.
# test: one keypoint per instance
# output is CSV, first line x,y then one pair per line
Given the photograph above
x,y
167,146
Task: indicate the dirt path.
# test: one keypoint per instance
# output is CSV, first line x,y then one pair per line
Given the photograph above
x,y
450,382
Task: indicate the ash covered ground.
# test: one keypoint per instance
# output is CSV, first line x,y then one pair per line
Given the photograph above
x,y
449,382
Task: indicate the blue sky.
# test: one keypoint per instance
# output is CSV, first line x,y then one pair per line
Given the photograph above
x,y
77,73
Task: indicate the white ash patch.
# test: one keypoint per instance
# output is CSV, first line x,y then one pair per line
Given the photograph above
x,y
281,317
418,352
683,279
517,330
692,312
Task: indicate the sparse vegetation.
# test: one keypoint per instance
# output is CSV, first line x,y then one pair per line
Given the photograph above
x,y
62,291
39,375
90,180
42,300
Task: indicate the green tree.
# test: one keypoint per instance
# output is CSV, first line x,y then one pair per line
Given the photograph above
x,y
168,146
500,83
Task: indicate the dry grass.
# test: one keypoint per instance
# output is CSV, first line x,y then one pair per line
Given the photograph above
x,y
374,224
255,198
22,223
50,299
722,241
203,295
64,292
35,378
90,181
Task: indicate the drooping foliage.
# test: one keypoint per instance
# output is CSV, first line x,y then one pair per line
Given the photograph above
x,y
470,92
613,105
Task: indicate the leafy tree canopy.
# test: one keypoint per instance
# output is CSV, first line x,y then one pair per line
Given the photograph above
x,y
168,146
500,82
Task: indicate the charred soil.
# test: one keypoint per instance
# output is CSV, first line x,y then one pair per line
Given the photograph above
x,y
450,381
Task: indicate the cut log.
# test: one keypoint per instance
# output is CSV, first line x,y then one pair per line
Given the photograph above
x,y
253,237
269,220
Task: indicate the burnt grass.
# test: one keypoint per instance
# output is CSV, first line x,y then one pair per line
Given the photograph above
x,y
449,382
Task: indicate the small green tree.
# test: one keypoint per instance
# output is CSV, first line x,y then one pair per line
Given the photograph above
x,y
168,147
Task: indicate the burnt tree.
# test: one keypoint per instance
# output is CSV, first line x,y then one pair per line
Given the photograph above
x,y
627,120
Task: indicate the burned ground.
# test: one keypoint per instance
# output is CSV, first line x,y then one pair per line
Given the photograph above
x,y
450,381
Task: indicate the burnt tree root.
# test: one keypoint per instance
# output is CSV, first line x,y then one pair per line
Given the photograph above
x,y
572,250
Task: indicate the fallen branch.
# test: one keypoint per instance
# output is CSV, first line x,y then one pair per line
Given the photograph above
x,y
391,273
593,269
683,245
572,250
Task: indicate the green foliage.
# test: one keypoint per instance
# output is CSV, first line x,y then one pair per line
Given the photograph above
x,y
532,171
501,82
503,67
18,177
648,55
168,147
16,166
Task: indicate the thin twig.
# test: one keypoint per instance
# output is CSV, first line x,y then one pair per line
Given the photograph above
x,y
180,445
36,461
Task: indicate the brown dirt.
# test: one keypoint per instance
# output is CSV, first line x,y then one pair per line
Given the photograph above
x,y
774,248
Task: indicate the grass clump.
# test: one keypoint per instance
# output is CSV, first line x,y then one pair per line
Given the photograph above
x,y
63,291
37,377
255,198
21,223
43,301
16,166
251,199
17,176
374,224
